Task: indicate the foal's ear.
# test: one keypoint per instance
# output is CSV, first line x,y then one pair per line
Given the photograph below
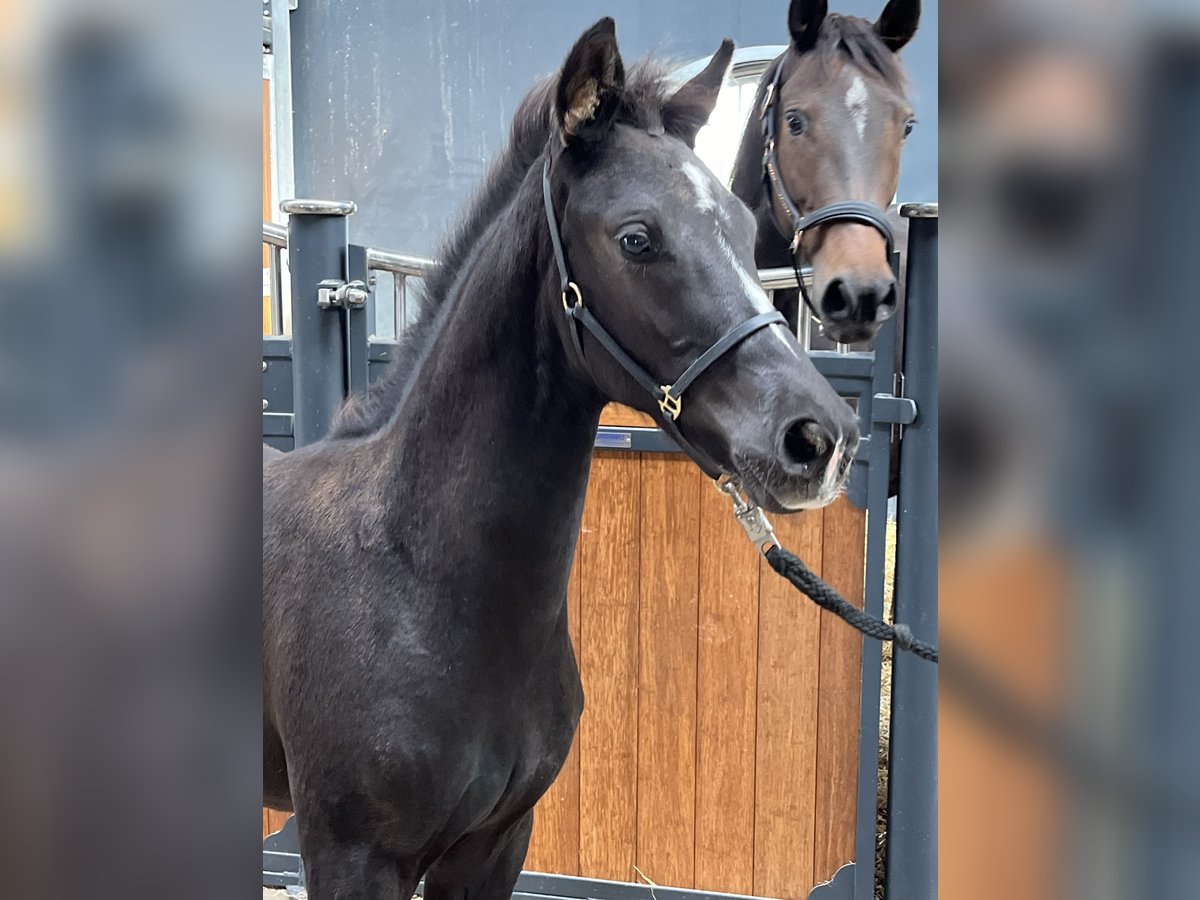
x,y
689,107
590,85
804,22
898,23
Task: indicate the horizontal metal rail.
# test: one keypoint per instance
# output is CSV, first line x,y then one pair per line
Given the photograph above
x,y
783,278
275,235
420,266
399,263
409,265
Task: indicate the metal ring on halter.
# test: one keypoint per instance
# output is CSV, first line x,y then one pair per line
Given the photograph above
x,y
578,296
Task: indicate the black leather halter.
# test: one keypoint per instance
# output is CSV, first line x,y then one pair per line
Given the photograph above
x,y
669,397
860,211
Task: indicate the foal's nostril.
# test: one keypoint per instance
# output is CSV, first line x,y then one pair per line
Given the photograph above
x,y
837,302
806,442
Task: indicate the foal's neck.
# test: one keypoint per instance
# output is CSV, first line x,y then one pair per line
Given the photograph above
x,y
488,456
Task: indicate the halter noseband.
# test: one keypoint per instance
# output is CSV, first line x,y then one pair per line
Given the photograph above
x,y
860,211
669,397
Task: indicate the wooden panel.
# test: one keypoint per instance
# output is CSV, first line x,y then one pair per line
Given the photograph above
x,y
555,843
789,639
841,676
727,663
617,414
670,516
273,820
608,651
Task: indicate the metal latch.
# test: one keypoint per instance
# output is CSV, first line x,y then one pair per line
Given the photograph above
x,y
333,292
890,409
895,408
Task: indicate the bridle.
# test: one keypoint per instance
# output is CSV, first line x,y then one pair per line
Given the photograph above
x,y
859,211
669,397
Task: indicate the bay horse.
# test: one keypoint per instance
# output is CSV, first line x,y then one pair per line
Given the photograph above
x,y
819,162
420,688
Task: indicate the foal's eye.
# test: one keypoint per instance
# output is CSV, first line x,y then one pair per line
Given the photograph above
x,y
796,121
635,243
909,126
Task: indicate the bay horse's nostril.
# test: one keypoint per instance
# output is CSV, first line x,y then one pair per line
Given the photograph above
x,y
889,301
837,303
805,442
849,301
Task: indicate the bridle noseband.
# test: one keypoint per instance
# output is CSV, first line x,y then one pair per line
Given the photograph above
x,y
669,397
860,211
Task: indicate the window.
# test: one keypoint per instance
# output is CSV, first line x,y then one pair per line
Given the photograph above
x,y
717,143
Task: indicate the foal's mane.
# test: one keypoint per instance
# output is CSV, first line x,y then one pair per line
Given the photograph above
x,y
648,87
841,38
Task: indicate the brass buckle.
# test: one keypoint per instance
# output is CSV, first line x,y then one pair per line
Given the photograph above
x,y
669,403
578,296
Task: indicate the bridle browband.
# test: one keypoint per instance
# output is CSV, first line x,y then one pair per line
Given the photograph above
x,y
669,397
860,211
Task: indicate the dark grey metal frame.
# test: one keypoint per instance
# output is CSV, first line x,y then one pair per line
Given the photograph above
x,y
330,352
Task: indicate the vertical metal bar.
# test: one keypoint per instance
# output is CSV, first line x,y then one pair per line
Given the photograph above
x,y
281,105
356,320
399,304
276,291
912,776
882,373
317,239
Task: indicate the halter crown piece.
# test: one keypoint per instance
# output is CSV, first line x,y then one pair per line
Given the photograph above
x,y
669,397
860,211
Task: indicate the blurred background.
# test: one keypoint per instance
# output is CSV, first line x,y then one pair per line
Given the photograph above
x,y
130,156
129,487
1069,309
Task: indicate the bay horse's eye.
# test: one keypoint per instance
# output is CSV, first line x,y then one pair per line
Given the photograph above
x,y
635,242
909,126
796,122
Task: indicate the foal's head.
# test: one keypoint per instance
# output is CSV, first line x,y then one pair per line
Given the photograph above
x,y
841,119
664,258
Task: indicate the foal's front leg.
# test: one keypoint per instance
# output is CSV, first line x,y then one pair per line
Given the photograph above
x,y
482,866
337,869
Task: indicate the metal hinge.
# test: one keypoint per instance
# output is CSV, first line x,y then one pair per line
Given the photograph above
x,y
895,408
335,293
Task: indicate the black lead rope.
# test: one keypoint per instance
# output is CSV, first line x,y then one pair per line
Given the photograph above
x,y
758,529
806,581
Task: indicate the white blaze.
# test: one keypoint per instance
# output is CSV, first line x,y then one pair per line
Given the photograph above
x,y
703,182
856,105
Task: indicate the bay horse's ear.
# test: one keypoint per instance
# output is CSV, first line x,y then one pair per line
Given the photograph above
x,y
804,22
898,23
689,107
590,85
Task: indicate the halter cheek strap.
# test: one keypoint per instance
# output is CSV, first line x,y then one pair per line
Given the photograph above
x,y
844,211
669,397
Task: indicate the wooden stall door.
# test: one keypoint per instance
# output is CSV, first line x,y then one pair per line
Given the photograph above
x,y
719,744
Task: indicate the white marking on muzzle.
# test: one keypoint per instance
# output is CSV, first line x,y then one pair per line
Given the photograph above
x,y
829,485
